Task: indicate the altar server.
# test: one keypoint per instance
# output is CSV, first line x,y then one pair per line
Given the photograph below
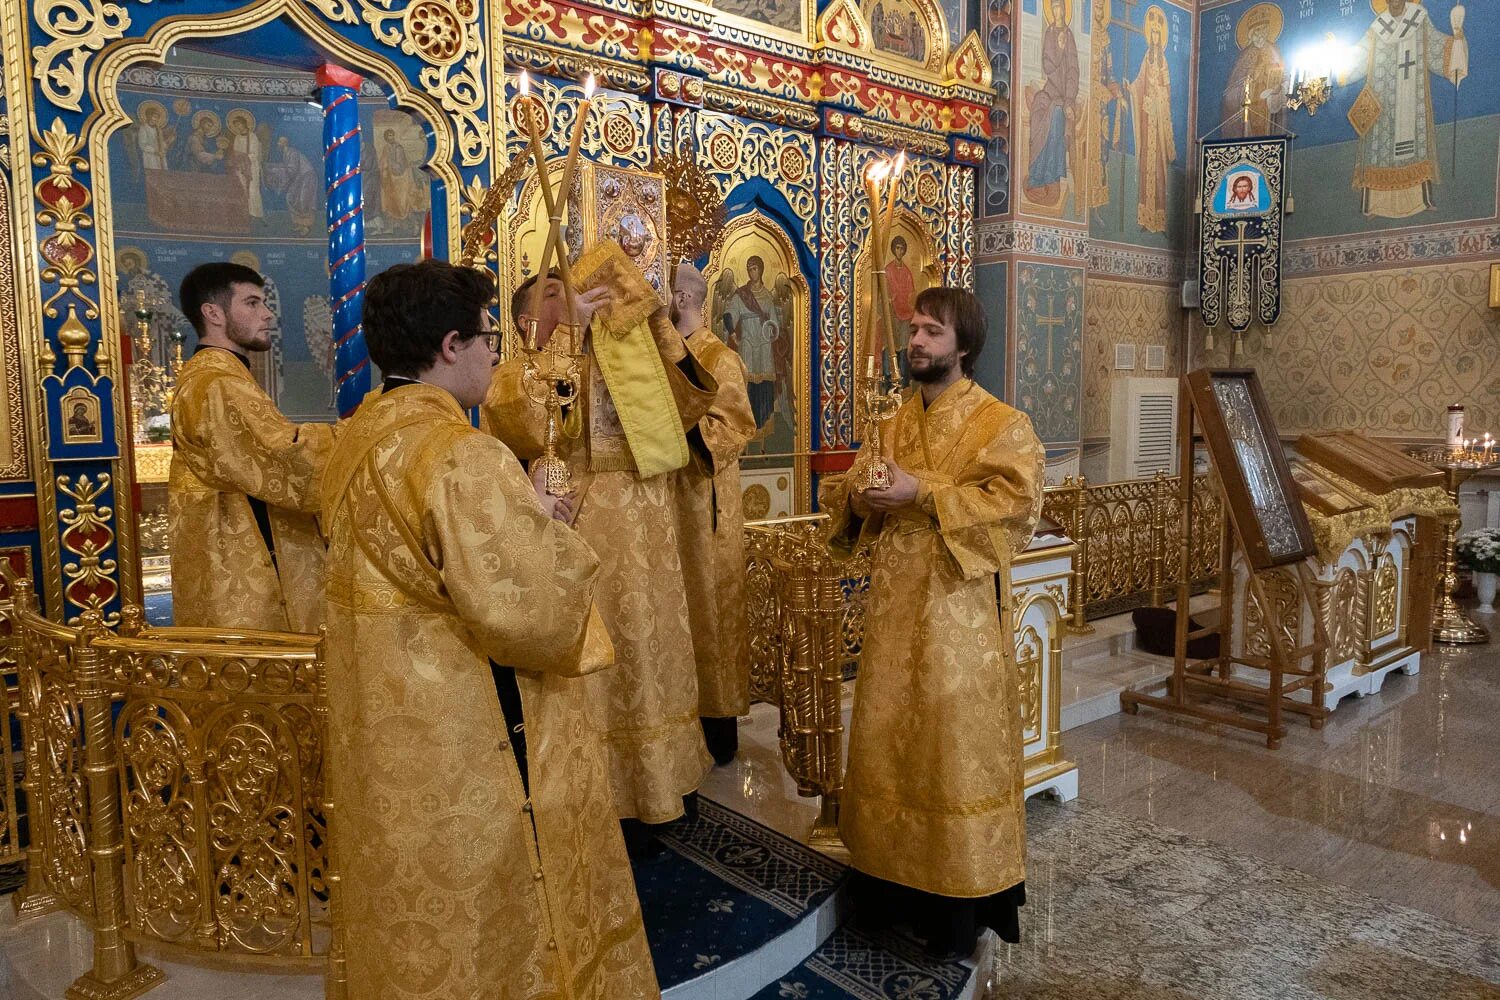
x,y
242,492
466,871
933,809
712,530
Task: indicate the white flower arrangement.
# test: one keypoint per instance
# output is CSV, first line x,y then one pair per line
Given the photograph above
x,y
1479,550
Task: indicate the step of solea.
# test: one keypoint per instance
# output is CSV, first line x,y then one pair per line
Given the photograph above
x,y
1098,665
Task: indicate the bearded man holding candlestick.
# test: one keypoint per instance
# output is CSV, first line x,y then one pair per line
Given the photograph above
x,y
624,441
933,803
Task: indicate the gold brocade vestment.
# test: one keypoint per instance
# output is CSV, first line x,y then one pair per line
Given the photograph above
x,y
456,886
230,443
648,705
713,536
934,796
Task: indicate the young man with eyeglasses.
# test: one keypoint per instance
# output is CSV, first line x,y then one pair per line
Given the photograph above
x,y
470,866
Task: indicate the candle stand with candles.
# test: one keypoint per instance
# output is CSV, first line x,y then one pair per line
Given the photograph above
x,y
553,369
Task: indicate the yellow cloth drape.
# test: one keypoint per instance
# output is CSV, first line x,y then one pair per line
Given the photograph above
x,y
455,885
229,443
713,537
933,797
648,706
632,367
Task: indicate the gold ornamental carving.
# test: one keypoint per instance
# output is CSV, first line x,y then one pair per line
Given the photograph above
x,y
447,37
1286,600
969,65
77,29
1343,608
842,24
695,212
62,200
1030,662
88,581
436,33
1386,587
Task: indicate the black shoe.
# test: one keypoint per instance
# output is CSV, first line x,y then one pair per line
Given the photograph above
x,y
640,840
722,737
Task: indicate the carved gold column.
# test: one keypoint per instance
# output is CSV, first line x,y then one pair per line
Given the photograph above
x,y
336,979
1161,492
115,974
1078,624
34,898
826,619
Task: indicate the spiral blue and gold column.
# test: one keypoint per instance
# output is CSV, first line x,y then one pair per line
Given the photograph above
x,y
346,233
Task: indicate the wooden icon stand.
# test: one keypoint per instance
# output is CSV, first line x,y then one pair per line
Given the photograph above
x,y
1264,520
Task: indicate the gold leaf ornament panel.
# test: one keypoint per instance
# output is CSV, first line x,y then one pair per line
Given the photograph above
x,y
737,150
444,34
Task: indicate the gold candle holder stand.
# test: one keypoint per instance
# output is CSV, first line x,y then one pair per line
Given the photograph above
x,y
1450,625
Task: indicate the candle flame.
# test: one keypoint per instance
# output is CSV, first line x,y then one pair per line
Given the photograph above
x,y
877,171
588,87
525,84
900,162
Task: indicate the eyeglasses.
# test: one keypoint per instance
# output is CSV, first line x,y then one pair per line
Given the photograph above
x,y
491,340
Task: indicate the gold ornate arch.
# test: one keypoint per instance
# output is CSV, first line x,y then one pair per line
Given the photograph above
x,y
109,117
758,232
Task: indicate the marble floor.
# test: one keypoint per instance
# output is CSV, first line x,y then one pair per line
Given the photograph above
x,y
1360,860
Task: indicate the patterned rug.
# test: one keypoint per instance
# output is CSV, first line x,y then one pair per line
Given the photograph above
x,y
854,965
724,887
1121,909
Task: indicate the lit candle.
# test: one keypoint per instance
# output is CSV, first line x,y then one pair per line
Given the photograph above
x,y
885,299
530,117
876,337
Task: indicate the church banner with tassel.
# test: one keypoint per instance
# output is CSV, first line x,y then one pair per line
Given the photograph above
x,y
1239,243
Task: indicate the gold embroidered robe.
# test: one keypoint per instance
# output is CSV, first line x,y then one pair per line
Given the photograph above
x,y
713,536
933,797
648,705
229,443
456,886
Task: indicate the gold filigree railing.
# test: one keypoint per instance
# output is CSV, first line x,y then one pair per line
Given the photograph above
x,y
806,618
220,765
10,721
175,786
1128,535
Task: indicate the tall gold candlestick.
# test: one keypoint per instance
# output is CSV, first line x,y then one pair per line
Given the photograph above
x,y
875,337
551,201
884,248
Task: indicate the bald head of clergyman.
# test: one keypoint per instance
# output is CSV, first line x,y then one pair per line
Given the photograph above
x,y
689,293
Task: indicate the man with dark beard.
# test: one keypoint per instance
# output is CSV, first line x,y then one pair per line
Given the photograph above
x,y
242,493
933,801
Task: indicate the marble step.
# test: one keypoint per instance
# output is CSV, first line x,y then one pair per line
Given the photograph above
x,y
1098,665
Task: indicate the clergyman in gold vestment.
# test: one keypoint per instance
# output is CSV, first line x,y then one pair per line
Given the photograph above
x,y
466,875
626,438
712,530
242,493
933,804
